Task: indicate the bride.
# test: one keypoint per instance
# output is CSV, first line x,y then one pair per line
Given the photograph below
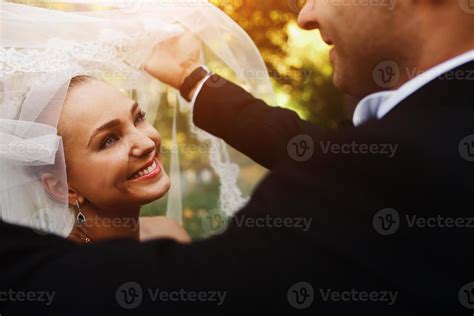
x,y
92,159
113,164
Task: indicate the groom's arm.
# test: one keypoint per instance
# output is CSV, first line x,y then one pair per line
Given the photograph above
x,y
248,124
260,131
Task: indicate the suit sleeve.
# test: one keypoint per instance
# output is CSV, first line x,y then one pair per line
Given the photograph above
x,y
260,131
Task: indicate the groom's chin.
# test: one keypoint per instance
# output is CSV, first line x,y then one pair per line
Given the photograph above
x,y
341,82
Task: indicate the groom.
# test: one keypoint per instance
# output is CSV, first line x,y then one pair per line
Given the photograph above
x,y
388,203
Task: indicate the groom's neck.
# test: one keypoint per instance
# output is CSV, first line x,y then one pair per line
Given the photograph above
x,y
438,39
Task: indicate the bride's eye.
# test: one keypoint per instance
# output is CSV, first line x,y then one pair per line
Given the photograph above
x,y
140,117
109,141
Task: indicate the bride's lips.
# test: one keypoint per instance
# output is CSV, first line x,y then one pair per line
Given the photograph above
x,y
155,172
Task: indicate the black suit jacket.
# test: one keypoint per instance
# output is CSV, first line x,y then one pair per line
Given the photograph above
x,y
350,260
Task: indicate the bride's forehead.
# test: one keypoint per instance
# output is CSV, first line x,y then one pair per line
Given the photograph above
x,y
100,90
96,97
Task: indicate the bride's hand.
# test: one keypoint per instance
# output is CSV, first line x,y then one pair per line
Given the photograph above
x,y
162,227
171,61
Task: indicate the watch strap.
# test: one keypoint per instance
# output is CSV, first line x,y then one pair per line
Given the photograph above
x,y
192,80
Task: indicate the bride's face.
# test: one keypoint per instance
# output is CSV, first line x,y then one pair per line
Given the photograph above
x,y
108,145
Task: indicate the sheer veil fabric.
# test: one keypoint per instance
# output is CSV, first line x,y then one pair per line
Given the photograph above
x,y
42,49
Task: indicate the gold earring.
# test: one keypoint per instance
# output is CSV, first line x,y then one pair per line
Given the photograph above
x,y
80,218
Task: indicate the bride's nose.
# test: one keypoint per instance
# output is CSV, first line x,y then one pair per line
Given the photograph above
x,y
142,146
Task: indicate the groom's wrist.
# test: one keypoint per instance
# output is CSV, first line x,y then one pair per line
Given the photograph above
x,y
194,76
188,71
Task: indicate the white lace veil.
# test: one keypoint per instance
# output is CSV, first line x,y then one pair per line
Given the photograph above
x,y
42,49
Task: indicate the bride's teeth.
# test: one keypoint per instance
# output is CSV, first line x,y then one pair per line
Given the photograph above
x,y
146,171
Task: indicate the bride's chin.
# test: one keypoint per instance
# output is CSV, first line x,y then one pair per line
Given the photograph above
x,y
165,186
157,190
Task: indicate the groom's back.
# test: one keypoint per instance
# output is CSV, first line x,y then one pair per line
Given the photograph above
x,y
394,200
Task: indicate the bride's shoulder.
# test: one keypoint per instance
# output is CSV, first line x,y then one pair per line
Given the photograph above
x,y
157,227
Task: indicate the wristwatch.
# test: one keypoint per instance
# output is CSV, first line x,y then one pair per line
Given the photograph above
x,y
192,80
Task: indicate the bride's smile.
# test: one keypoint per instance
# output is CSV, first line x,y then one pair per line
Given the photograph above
x,y
149,171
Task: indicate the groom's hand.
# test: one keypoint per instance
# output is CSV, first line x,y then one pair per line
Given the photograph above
x,y
171,61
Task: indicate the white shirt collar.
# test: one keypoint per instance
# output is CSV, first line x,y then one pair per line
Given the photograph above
x,y
377,105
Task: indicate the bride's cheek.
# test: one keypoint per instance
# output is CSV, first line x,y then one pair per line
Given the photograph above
x,y
153,134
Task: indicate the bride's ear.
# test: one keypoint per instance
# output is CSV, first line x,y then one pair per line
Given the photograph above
x,y
56,188
73,196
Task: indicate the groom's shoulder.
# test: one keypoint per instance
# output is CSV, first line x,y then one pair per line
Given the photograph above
x,y
427,132
425,142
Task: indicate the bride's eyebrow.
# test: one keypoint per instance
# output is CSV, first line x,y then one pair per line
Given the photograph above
x,y
110,124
